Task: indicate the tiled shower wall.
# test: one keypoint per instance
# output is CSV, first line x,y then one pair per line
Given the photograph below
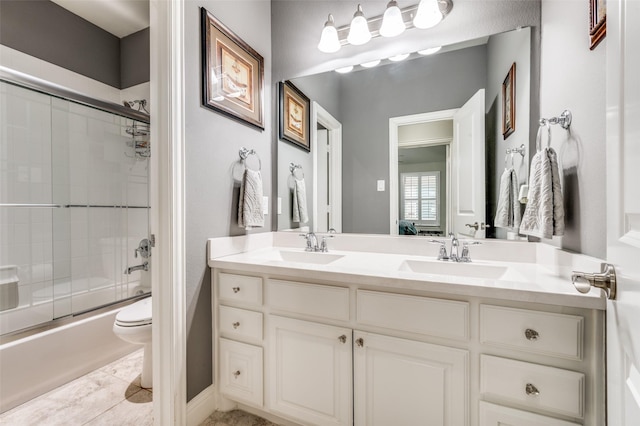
x,y
72,258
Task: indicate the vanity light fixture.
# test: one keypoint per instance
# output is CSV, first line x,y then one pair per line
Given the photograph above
x,y
393,22
329,42
400,57
359,30
344,70
429,51
370,64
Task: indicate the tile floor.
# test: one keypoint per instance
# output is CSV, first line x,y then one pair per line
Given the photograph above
x,y
109,396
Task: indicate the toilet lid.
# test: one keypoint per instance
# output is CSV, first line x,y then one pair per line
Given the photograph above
x,y
136,314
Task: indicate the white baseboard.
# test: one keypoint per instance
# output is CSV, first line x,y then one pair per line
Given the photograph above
x,y
201,406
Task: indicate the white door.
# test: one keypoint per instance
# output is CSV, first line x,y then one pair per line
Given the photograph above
x,y
468,168
623,211
310,371
326,146
405,383
324,173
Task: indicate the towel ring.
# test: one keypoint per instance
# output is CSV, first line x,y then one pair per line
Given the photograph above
x,y
543,123
505,159
293,167
244,153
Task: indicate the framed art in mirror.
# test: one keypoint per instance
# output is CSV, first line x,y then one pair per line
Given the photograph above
x,y
597,22
232,73
509,102
294,115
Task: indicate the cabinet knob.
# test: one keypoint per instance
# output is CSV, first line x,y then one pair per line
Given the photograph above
x,y
343,339
531,390
236,324
236,289
236,373
360,342
531,334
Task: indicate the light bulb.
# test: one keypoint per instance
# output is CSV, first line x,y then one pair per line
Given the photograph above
x,y
429,51
370,64
329,42
344,70
359,30
398,58
392,23
428,14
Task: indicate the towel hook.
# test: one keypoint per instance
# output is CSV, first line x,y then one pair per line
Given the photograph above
x,y
244,153
564,120
293,167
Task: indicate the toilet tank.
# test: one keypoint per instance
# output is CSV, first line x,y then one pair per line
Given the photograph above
x,y
8,287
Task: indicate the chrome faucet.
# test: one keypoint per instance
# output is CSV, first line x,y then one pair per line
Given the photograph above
x,y
454,254
454,245
312,242
143,267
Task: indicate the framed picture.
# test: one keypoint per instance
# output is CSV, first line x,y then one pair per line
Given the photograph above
x,y
509,102
294,115
232,73
597,22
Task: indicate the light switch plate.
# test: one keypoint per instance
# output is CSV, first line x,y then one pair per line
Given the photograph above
x,y
381,185
265,205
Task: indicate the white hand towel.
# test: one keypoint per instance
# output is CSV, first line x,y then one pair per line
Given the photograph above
x,y
508,212
250,203
544,215
300,202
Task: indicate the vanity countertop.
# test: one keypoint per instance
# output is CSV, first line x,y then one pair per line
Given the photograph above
x,y
540,275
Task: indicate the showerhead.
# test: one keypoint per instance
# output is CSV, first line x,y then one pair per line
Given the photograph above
x,y
142,103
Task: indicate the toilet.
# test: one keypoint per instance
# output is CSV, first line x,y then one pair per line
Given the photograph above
x,y
133,325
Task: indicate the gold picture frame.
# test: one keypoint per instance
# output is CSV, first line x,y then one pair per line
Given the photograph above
x,y
232,73
597,22
509,103
295,115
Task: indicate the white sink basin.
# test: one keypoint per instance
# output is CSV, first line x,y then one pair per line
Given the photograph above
x,y
471,270
315,258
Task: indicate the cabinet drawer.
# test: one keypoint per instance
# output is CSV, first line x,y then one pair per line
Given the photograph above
x,y
534,386
240,375
240,288
433,317
545,333
321,301
497,415
239,323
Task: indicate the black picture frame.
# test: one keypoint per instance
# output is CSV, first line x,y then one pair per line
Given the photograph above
x,y
295,115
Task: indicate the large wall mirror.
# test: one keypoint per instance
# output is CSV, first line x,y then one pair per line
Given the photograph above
x,y
415,146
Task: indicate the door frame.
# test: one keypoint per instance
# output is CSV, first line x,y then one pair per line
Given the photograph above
x,y
394,125
319,115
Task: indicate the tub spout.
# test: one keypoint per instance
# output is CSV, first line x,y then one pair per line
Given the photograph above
x,y
131,269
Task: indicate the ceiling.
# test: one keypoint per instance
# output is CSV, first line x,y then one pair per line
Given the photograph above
x,y
119,17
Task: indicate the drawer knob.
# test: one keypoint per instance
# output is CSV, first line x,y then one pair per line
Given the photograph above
x,y
236,324
360,342
531,334
236,289
236,373
531,390
343,339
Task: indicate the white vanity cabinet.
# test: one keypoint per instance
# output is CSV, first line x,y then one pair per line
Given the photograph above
x,y
343,353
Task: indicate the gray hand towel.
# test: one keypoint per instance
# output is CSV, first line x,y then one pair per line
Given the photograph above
x,y
250,203
508,212
300,202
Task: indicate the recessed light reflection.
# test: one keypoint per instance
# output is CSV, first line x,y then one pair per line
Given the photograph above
x,y
370,64
345,70
398,58
429,51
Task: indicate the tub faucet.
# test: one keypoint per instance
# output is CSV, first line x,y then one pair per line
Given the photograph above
x,y
131,269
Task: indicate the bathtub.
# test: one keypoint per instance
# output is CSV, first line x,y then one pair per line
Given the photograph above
x,y
36,364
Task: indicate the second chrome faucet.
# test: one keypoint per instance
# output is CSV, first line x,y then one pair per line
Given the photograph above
x,y
454,252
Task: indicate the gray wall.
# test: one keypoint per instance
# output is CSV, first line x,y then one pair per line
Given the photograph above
x,y
212,144
370,98
502,51
43,29
572,77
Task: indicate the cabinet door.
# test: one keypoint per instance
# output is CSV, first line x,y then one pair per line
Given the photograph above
x,y
403,382
310,371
